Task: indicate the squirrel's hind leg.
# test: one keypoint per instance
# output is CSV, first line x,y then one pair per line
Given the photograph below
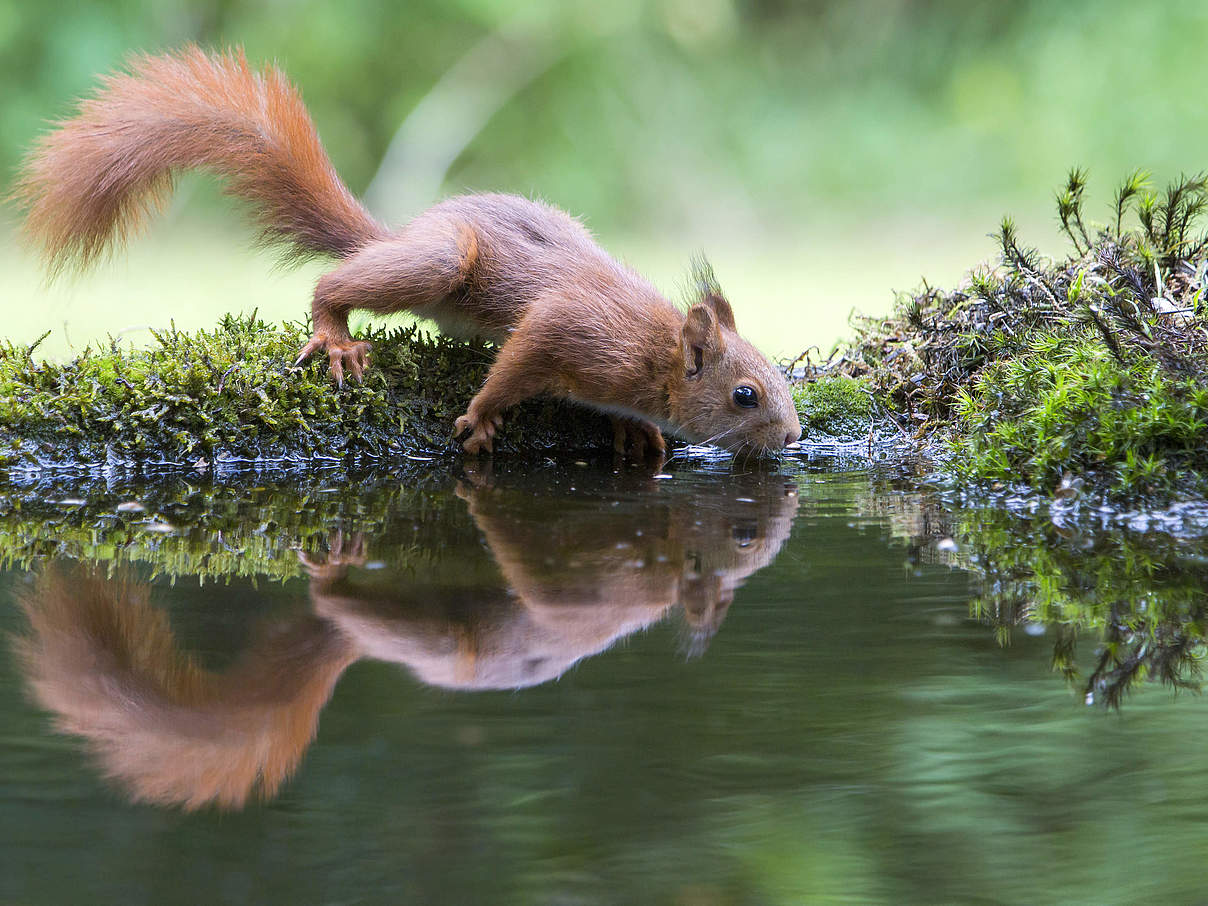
x,y
422,264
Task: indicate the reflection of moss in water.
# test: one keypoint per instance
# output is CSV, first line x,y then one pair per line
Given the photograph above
x,y
215,532
1137,602
233,392
419,514
1143,599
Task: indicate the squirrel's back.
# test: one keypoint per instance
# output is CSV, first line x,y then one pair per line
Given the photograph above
x,y
100,173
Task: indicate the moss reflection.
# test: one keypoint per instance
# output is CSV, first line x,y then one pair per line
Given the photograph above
x,y
1122,607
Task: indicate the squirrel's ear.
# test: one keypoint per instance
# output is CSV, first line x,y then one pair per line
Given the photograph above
x,y
721,308
701,338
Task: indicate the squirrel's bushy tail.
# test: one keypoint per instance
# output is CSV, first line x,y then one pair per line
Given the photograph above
x,y
100,174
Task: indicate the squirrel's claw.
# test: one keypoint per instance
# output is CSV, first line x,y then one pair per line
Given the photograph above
x,y
482,431
352,354
313,345
637,437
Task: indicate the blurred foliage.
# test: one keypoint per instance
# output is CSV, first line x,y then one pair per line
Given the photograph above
x,y
719,113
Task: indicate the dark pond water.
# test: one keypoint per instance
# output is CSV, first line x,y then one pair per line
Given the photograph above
x,y
552,683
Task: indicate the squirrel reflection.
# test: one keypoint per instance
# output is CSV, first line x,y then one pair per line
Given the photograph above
x,y
105,661
577,577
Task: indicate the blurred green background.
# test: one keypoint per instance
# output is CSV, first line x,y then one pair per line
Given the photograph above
x,y
822,154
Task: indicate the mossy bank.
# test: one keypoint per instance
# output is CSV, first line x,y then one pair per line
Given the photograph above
x,y
233,395
1086,375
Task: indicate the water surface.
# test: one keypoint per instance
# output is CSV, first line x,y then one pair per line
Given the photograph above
x,y
555,683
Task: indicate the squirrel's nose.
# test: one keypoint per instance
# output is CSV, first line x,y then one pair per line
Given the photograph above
x,y
790,437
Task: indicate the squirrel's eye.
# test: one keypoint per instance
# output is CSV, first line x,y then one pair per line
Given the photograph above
x,y
746,397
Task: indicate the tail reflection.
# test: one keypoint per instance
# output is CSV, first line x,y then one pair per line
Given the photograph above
x,y
577,575
105,661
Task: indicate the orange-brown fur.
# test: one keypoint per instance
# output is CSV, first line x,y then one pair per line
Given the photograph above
x,y
571,320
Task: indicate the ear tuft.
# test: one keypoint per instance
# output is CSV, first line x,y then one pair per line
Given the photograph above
x,y
708,291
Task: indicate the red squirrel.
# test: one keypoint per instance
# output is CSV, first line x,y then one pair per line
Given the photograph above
x,y
571,321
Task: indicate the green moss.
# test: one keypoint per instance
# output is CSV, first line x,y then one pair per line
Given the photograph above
x,y
1067,406
233,393
834,404
1090,365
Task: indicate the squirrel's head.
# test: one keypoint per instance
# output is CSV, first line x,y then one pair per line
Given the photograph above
x,y
726,392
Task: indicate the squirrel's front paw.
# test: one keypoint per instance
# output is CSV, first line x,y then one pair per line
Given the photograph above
x,y
482,431
638,438
350,354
